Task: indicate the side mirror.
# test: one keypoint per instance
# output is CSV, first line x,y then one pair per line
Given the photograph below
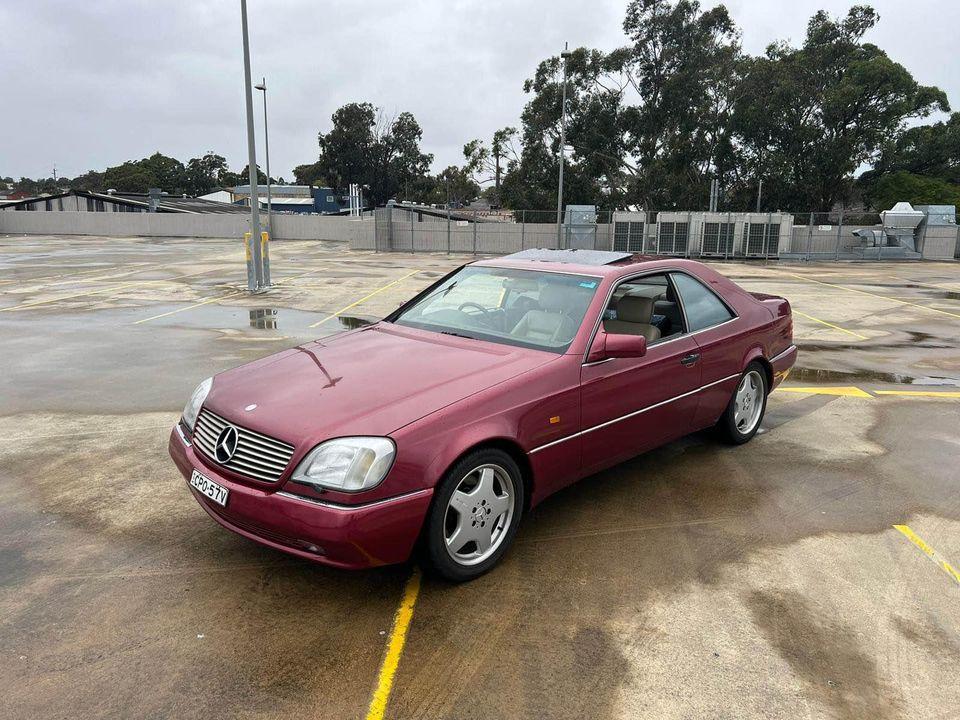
x,y
606,345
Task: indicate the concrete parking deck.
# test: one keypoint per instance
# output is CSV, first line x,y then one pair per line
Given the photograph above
x,y
805,574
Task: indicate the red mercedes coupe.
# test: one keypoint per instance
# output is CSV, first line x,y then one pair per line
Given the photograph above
x,y
438,427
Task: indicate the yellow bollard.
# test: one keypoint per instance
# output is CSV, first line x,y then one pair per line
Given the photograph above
x,y
265,256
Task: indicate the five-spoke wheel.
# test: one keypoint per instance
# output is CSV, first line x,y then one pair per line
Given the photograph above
x,y
742,417
474,515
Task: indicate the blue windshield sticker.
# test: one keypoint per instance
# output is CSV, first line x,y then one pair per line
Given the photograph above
x,y
590,285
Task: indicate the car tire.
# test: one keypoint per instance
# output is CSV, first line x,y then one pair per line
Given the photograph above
x,y
744,413
474,515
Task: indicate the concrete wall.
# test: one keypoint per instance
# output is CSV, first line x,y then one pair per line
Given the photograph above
x,y
935,242
289,227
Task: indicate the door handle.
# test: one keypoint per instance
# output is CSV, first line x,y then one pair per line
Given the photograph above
x,y
689,359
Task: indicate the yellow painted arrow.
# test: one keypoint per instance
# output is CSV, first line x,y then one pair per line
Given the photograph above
x,y
845,391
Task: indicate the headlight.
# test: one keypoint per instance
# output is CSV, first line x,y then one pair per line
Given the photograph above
x,y
347,464
192,408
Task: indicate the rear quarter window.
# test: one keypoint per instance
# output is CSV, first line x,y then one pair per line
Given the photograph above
x,y
701,306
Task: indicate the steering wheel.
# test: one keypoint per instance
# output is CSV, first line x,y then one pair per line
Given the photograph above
x,y
479,307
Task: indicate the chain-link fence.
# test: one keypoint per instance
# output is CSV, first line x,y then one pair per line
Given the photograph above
x,y
717,235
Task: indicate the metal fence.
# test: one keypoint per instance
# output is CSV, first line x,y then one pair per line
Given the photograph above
x,y
717,235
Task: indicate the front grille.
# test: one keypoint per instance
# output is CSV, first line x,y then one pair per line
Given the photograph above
x,y
257,456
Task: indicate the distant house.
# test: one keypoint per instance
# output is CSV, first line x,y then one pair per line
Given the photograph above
x,y
84,201
10,195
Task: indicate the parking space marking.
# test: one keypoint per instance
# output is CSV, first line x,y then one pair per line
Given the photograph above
x,y
398,638
363,299
929,552
920,393
872,294
23,306
843,391
205,301
830,325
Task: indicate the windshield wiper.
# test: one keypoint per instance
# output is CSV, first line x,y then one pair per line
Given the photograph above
x,y
448,332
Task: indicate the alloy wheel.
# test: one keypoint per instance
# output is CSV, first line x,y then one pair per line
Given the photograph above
x,y
479,514
748,402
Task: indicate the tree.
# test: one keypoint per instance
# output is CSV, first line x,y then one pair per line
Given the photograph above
x,y
311,174
807,118
91,181
129,177
365,147
487,165
206,173
647,123
903,186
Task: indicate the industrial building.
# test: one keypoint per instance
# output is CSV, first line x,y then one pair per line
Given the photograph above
x,y
288,198
85,201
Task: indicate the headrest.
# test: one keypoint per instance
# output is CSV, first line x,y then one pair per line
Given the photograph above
x,y
552,298
632,308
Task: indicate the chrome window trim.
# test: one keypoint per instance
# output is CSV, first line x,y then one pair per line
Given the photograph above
x,y
633,414
340,506
644,273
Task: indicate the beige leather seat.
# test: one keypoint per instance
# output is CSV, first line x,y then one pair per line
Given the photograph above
x,y
547,324
634,316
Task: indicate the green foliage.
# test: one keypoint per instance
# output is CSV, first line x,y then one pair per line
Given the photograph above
x,y
807,118
903,186
365,147
205,174
652,123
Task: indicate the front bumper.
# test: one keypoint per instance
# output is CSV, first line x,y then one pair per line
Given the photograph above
x,y
378,533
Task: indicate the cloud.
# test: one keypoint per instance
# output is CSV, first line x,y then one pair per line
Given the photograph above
x,y
88,85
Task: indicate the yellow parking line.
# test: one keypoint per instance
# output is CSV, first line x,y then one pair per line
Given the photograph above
x,y
848,391
830,325
935,286
206,301
929,552
876,295
398,637
363,299
920,393
22,306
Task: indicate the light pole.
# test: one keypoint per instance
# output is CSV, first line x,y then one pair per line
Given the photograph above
x,y
262,87
563,142
266,147
254,259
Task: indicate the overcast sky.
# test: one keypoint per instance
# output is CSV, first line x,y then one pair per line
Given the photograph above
x,y
91,84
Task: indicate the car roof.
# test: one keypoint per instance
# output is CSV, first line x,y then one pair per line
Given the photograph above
x,y
567,262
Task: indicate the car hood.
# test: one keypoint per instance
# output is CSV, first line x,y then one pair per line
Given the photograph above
x,y
370,381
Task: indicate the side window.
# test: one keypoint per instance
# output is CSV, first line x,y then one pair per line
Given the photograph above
x,y
703,309
644,306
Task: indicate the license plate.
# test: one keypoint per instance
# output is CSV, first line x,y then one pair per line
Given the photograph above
x,y
208,487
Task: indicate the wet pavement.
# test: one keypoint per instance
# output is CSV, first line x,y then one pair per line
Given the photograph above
x,y
697,580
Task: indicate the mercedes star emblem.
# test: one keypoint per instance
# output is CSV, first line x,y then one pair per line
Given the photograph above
x,y
226,444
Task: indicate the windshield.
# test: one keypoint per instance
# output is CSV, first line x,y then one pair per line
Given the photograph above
x,y
529,308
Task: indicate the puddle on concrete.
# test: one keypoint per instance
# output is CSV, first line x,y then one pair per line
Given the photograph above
x,y
263,318
269,319
814,375
351,322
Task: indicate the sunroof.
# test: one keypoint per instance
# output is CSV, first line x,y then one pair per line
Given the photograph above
x,y
578,257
